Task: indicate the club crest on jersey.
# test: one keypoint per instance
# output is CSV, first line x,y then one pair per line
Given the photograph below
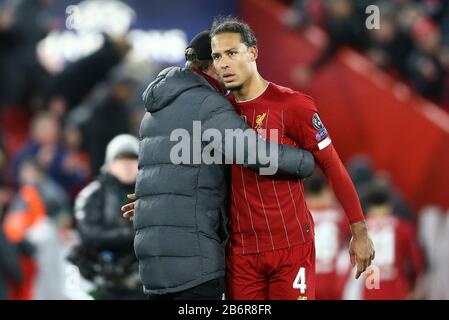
x,y
259,123
259,120
316,121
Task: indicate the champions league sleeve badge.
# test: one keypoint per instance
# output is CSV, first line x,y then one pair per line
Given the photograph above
x,y
322,136
316,121
318,125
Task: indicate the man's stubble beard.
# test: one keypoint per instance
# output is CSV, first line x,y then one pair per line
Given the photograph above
x,y
235,88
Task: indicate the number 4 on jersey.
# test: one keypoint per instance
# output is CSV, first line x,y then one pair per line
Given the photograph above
x,y
300,280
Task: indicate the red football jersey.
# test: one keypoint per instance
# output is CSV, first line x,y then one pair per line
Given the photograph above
x,y
329,235
398,258
269,214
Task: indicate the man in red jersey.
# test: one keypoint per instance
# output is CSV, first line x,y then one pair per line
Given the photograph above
x,y
399,262
271,251
331,230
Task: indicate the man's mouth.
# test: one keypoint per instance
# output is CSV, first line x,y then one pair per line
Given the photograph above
x,y
228,77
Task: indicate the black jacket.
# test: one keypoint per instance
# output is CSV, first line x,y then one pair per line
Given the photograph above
x,y
106,249
180,217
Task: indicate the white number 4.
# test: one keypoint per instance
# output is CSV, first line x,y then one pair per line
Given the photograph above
x,y
300,280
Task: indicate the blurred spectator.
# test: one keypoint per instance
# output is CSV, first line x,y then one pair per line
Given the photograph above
x,y
331,229
136,106
434,236
412,42
24,23
77,158
425,69
109,118
38,213
343,23
7,41
303,12
45,146
398,262
10,270
5,191
362,174
72,85
389,44
105,255
436,9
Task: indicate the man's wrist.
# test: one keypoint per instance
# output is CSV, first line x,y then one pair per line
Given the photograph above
x,y
359,229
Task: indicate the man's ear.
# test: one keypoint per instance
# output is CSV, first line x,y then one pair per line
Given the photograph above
x,y
253,53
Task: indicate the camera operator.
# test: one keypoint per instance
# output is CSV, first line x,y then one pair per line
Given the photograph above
x,y
105,255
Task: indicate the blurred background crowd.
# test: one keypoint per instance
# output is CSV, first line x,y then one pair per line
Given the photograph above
x,y
71,79
412,43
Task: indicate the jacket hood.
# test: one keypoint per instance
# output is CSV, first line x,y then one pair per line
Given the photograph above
x,y
168,85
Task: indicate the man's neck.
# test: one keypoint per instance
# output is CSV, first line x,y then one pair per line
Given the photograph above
x,y
253,88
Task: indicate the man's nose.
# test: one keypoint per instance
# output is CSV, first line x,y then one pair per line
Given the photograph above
x,y
223,64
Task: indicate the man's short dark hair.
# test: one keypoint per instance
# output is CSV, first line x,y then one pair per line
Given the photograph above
x,y
230,24
315,184
377,193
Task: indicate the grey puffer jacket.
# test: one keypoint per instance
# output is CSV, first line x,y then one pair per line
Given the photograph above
x,y
180,217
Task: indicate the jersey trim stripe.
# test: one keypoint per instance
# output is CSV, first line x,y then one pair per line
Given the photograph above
x,y
238,220
304,204
281,212
296,212
258,189
289,188
265,213
276,193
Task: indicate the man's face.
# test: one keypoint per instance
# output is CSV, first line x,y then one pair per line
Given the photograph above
x,y
233,60
29,174
46,131
125,170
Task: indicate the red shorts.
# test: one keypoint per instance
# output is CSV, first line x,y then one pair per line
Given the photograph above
x,y
284,274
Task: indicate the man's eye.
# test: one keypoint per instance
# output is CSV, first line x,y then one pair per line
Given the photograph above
x,y
215,57
232,53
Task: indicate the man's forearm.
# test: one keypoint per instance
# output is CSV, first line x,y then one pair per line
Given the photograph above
x,y
297,162
291,163
341,183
